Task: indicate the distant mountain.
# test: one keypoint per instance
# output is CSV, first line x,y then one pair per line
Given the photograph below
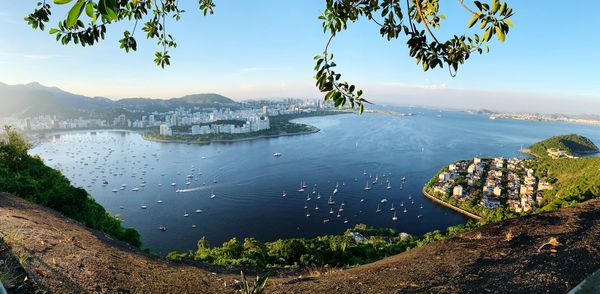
x,y
34,99
205,99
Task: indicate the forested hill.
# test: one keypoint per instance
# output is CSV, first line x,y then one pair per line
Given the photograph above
x,y
572,144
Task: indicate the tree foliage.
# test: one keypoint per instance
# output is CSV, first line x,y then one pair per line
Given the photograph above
x,y
332,250
572,144
28,177
416,21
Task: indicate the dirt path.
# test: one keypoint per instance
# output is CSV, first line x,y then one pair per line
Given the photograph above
x,y
69,258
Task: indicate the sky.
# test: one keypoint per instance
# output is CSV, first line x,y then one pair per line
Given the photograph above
x,y
264,49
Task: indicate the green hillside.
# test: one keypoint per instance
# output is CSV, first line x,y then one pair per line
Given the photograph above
x,y
572,144
573,180
205,99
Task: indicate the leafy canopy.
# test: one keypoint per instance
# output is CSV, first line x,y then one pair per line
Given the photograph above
x,y
416,21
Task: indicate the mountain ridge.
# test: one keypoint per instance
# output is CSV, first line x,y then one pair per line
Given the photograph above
x,y
33,99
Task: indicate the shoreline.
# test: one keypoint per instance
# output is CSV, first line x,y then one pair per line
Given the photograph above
x,y
313,131
457,209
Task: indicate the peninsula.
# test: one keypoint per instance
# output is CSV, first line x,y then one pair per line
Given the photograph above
x,y
231,130
499,188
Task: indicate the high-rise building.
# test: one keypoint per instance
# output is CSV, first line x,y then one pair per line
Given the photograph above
x,y
174,120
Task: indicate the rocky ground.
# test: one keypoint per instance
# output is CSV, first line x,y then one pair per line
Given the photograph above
x,y
547,253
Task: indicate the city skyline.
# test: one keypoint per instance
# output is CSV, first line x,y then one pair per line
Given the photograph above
x,y
533,66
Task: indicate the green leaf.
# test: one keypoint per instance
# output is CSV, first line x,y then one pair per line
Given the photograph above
x,y
488,34
61,2
509,22
495,5
107,9
473,20
500,34
53,31
74,13
89,9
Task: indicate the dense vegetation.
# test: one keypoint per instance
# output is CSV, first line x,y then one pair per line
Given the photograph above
x,y
28,177
572,144
332,250
574,181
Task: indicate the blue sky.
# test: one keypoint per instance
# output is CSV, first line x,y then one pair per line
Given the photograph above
x,y
262,49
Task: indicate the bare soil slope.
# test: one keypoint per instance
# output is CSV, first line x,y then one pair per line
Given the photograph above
x,y
505,257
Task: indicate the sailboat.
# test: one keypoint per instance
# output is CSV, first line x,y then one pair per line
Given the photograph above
x,y
186,214
301,187
162,228
212,194
318,195
284,194
389,186
331,211
335,191
331,201
346,220
378,208
308,197
317,207
394,218
392,208
367,188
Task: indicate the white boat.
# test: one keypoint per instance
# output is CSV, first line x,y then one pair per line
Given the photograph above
x,y
419,216
307,214
325,220
367,188
378,208
331,211
276,154
159,201
389,186
345,220
335,191
392,208
404,210
317,207
186,214
173,184
143,206
394,218
331,201
198,210
318,195
115,190
162,228
384,200
284,194
212,194
135,189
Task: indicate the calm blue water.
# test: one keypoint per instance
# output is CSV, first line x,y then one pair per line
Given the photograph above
x,y
250,181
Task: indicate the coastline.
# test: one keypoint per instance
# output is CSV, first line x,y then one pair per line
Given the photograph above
x,y
314,130
457,209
